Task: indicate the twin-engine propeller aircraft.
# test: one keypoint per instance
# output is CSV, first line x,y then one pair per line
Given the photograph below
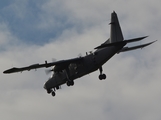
x,y
66,71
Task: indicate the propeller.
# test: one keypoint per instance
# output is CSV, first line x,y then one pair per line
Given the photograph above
x,y
79,55
48,71
53,59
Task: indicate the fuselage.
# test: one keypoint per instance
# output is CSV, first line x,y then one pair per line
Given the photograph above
x,y
89,63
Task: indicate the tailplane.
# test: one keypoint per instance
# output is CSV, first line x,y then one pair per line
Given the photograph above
x,y
116,37
116,33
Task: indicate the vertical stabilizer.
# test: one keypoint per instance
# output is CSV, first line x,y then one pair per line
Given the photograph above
x,y
116,33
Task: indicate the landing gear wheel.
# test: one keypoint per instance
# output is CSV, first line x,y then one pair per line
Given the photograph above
x,y
57,87
53,94
102,76
70,83
49,91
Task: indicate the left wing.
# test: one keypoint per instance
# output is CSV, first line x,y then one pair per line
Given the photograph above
x,y
46,65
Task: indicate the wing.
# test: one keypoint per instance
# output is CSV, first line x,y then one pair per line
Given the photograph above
x,y
46,65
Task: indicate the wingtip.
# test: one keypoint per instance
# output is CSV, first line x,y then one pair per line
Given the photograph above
x,y
12,70
146,36
154,41
149,43
6,72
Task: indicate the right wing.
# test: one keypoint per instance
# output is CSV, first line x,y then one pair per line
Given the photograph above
x,y
36,66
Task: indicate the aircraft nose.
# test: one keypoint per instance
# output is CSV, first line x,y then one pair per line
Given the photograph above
x,y
45,86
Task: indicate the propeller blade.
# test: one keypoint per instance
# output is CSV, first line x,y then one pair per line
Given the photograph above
x,y
53,59
48,71
79,55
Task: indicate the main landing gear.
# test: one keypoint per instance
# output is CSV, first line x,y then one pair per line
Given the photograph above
x,y
101,76
70,83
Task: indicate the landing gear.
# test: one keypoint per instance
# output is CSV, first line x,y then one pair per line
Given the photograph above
x,y
53,94
51,91
70,83
101,76
57,87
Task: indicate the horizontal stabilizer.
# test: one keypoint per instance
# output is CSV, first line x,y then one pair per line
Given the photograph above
x,y
111,44
135,39
135,47
120,42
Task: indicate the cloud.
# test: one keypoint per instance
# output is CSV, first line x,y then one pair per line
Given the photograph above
x,y
132,87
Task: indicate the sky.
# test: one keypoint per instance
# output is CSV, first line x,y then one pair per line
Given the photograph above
x,y
32,31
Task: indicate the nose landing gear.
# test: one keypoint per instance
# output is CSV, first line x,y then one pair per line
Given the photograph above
x,y
70,83
52,92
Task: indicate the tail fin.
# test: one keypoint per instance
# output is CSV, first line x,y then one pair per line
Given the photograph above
x,y
116,33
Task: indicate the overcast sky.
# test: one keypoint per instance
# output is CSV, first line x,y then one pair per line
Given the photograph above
x,y
32,31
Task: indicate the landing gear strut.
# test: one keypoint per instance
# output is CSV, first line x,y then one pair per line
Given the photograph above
x,y
101,76
68,82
